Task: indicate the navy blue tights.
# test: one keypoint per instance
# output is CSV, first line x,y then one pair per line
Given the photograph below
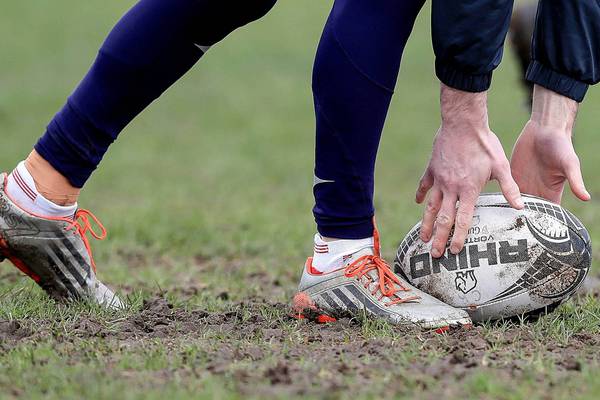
x,y
354,76
150,48
158,41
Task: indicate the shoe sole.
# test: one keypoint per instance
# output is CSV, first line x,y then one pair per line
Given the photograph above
x,y
304,307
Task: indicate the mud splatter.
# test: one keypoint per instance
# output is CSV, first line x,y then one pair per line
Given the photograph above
x,y
519,223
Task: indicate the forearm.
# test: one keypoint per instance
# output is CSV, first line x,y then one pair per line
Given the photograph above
x,y
553,110
463,112
566,43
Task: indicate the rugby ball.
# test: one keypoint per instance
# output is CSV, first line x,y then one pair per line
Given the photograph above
x,y
514,262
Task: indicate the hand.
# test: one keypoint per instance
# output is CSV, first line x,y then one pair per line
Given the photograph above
x,y
466,155
543,158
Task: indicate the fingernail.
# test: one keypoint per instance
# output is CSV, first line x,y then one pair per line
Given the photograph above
x,y
454,249
435,253
520,202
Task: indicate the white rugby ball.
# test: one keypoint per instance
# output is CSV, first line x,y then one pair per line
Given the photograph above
x,y
514,262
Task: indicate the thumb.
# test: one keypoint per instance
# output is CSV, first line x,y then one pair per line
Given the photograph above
x,y
573,173
509,188
425,184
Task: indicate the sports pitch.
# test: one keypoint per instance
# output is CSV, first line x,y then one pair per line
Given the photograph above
x,y
207,198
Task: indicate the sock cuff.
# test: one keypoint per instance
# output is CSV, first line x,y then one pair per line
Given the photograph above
x,y
26,195
341,245
335,254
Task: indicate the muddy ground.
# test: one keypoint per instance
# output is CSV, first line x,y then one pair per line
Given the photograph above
x,y
260,350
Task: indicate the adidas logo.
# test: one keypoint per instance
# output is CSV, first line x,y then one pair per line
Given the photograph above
x,y
321,248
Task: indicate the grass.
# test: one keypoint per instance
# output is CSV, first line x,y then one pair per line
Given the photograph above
x,y
207,197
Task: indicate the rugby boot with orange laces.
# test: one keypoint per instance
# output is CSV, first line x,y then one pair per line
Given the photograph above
x,y
366,284
54,252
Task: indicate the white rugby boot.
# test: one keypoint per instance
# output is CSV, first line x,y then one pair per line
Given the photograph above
x,y
364,283
54,252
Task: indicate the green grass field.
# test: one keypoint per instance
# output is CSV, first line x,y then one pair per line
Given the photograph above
x,y
207,198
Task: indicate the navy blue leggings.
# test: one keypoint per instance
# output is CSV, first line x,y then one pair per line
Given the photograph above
x,y
150,48
157,41
354,76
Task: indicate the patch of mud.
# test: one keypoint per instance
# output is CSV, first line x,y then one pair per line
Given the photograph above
x,y
519,223
155,319
141,259
13,331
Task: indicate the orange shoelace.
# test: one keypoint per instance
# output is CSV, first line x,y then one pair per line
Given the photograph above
x,y
82,224
389,285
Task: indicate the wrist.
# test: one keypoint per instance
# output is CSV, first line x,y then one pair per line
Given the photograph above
x,y
464,110
553,110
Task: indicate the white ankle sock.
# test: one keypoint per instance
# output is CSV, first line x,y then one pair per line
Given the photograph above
x,y
336,254
21,189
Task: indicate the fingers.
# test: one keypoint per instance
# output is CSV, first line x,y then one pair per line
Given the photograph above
x,y
425,184
464,218
573,173
431,210
509,187
443,224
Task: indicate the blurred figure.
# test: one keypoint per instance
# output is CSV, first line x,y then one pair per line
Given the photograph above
x,y
521,32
